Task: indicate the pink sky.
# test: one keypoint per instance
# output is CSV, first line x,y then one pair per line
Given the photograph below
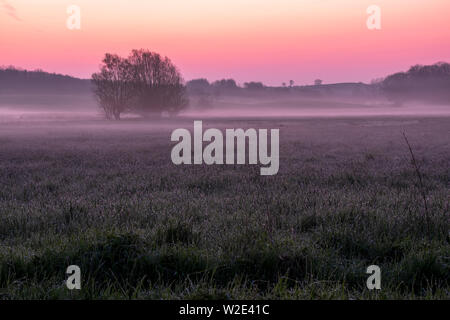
x,y
264,40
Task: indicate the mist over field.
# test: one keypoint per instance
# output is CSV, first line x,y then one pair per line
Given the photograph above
x,y
76,108
363,180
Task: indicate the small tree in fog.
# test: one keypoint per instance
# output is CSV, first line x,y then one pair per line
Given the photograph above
x,y
157,83
145,83
198,86
201,89
318,82
254,85
113,86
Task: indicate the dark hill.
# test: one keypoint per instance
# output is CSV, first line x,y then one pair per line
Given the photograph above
x,y
17,81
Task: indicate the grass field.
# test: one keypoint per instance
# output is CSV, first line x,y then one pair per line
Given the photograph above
x,y
106,197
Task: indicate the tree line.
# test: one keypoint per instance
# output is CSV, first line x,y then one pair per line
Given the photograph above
x,y
18,81
429,83
148,84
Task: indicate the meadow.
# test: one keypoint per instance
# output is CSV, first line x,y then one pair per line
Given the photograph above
x,y
105,196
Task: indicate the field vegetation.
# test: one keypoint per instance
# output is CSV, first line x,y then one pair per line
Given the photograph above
x,y
106,197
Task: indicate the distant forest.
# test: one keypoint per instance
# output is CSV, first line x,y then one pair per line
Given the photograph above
x,y
420,83
430,83
14,81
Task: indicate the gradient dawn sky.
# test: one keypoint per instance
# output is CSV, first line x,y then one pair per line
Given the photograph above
x,y
272,41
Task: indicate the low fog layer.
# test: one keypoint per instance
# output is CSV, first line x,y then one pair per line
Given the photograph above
x,y
314,108
234,109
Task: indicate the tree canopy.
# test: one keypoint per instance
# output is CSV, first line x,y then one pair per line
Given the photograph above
x,y
145,83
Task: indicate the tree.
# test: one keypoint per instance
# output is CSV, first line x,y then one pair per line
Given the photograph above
x,y
318,82
144,83
253,85
198,86
158,84
202,90
113,86
291,83
225,86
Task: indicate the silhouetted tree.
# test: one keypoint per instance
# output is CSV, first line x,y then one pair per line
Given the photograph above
x,y
198,86
158,84
253,85
145,83
202,91
318,82
224,86
113,86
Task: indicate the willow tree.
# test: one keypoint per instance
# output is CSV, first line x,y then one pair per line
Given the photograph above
x,y
113,86
158,84
144,83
